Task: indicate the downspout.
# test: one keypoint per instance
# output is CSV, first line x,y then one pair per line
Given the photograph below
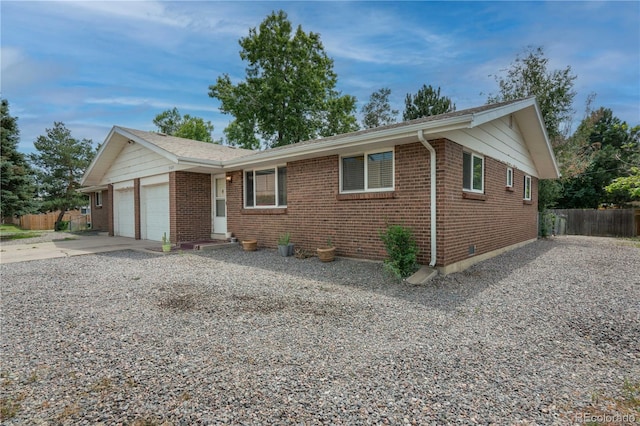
x,y
432,156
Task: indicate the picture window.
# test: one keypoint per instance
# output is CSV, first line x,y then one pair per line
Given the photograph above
x,y
266,188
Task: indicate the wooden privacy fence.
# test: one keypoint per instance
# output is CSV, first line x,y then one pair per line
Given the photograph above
x,y
600,223
45,221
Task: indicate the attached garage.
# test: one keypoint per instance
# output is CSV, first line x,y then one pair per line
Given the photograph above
x,y
124,212
154,210
155,184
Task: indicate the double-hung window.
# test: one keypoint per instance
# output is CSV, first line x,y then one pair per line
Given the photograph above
x,y
265,187
527,188
472,172
367,172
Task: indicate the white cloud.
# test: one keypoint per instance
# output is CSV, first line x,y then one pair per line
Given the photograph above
x,y
379,40
149,102
19,71
150,11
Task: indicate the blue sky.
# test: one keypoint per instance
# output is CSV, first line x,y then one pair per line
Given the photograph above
x,y
93,65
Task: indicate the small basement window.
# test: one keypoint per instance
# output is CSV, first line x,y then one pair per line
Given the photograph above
x,y
98,198
472,172
527,188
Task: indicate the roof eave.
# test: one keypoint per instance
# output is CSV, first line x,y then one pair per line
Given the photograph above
x,y
89,170
188,161
93,188
150,146
501,111
352,141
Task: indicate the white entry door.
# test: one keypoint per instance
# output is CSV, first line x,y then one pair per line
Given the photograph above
x,y
219,204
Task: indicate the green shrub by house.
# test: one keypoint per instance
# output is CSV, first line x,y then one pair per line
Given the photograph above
x,y
402,250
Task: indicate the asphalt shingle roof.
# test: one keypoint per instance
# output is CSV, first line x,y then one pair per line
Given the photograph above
x,y
188,148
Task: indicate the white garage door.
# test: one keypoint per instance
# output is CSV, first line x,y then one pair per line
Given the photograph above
x,y
124,220
154,211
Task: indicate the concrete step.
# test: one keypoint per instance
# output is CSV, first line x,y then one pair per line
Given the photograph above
x,y
422,275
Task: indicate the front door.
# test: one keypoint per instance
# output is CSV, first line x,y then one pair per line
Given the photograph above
x,y
219,204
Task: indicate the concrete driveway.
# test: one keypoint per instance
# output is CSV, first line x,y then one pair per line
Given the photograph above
x,y
75,245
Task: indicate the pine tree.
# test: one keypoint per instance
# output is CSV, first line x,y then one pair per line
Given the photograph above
x,y
61,161
16,176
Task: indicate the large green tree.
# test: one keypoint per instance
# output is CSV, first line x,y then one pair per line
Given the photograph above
x,y
377,112
171,122
626,188
289,93
528,76
611,149
61,161
428,101
16,177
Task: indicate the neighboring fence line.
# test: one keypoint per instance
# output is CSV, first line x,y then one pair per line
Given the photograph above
x,y
46,221
601,223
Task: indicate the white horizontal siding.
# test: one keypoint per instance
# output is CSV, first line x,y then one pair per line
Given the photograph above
x,y
154,180
498,140
135,161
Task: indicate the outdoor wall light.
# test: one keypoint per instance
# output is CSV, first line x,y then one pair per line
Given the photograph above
x,y
228,178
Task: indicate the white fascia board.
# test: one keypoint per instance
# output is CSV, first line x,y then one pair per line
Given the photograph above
x,y
498,112
541,146
323,147
546,139
87,172
94,188
150,146
527,106
187,161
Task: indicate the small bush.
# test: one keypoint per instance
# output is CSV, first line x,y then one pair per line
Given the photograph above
x,y
63,225
402,250
547,223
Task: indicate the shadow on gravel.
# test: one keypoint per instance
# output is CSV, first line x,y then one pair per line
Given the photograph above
x,y
444,293
128,254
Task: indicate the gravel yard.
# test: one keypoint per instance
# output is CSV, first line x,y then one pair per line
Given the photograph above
x,y
540,335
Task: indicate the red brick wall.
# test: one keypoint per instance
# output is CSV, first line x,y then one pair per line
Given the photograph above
x,y
500,218
100,214
316,211
189,206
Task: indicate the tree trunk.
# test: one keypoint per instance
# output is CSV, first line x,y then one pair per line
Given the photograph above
x,y
59,219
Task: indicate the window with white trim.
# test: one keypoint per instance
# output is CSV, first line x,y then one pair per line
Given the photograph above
x,y
472,172
509,177
265,187
527,188
98,198
367,172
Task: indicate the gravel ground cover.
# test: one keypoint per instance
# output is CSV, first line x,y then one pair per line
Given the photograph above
x,y
540,335
46,236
